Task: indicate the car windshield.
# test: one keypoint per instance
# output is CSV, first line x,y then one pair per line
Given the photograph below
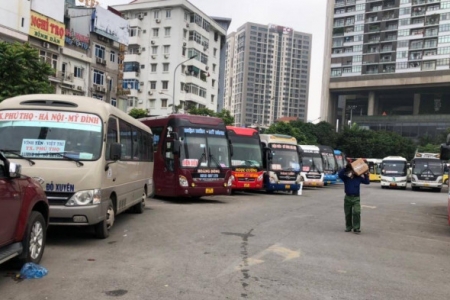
x,y
50,135
394,168
246,152
428,165
201,149
329,163
312,162
284,159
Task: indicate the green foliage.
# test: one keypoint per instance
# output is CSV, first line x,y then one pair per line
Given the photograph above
x,y
22,72
138,113
225,115
288,129
430,148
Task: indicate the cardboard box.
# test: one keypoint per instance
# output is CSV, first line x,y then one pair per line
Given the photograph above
x,y
359,167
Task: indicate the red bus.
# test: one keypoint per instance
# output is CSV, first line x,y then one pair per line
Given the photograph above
x,y
192,156
248,171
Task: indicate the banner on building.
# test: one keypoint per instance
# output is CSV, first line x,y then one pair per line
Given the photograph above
x,y
47,29
280,29
50,8
110,25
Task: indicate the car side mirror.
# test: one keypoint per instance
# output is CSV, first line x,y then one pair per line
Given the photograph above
x,y
14,170
176,147
115,152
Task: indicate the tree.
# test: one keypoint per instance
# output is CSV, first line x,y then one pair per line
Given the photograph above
x,y
226,116
287,129
22,72
138,113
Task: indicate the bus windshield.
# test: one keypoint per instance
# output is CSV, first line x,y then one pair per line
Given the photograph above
x,y
312,162
434,166
59,140
204,150
246,152
394,168
284,159
329,162
340,161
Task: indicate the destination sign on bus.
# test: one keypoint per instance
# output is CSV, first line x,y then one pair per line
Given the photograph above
x,y
50,116
207,131
283,146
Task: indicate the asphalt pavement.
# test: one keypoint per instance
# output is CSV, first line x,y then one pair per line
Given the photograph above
x,y
254,246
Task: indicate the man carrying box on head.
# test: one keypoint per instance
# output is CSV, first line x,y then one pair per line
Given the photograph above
x,y
353,175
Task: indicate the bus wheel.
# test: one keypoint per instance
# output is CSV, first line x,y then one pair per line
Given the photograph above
x,y
140,207
102,229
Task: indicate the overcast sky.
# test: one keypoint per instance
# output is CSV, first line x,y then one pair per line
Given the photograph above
x,y
302,15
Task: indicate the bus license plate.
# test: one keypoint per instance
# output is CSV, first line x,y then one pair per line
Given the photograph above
x,y
313,183
246,184
393,184
426,184
287,186
209,191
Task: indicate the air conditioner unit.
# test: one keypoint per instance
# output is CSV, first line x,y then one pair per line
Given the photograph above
x,y
154,56
45,45
153,42
143,49
103,61
206,68
150,93
69,77
187,25
187,72
139,51
102,89
140,16
140,101
166,56
184,44
139,91
205,48
141,83
158,21
99,60
80,88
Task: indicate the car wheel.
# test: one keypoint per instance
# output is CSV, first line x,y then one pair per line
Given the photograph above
x,y
34,239
102,229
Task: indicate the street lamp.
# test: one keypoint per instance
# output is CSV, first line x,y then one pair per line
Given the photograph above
x,y
174,74
351,108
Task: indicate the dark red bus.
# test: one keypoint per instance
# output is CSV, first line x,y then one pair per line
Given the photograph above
x,y
248,172
192,156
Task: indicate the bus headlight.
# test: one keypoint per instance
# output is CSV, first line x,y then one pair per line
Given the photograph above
x,y
230,180
85,198
183,181
272,179
260,177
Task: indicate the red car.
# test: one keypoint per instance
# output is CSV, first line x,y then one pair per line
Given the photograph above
x,y
23,215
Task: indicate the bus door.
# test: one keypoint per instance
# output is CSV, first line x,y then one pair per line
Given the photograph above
x,y
165,165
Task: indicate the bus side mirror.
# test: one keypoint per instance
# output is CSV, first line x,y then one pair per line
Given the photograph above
x,y
14,170
176,147
115,152
445,152
269,153
231,148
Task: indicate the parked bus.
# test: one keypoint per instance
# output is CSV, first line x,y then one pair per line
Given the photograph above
x,y
93,160
374,169
427,171
444,155
394,171
329,163
341,162
246,163
312,167
192,156
281,162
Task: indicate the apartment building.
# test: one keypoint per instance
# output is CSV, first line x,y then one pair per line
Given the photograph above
x,y
267,74
173,58
15,20
387,65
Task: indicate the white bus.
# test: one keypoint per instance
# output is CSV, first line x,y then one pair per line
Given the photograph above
x,y
312,166
93,160
394,172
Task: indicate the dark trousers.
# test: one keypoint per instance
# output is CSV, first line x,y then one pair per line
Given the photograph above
x,y
352,209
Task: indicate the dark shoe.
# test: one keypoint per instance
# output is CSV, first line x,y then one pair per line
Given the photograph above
x,y
356,231
348,230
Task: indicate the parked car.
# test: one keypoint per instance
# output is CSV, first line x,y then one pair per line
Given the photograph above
x,y
23,215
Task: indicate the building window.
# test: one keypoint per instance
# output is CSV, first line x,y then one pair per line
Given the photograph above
x,y
215,52
134,31
100,51
110,84
98,77
153,85
156,14
212,98
165,67
163,103
185,32
78,72
130,84
97,96
153,68
155,32
154,50
165,84
51,59
112,56
152,103
114,102
214,67
167,31
213,82
166,49
168,13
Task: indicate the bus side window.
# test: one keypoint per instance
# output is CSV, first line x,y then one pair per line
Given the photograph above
x,y
111,136
168,154
126,140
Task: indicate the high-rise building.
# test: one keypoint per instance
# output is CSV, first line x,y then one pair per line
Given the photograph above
x,y
387,65
267,74
173,57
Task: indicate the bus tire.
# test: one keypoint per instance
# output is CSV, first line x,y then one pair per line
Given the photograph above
x,y
102,229
140,207
414,188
